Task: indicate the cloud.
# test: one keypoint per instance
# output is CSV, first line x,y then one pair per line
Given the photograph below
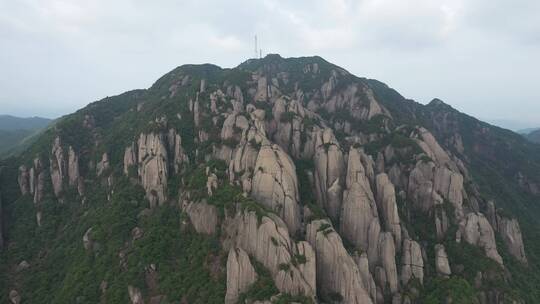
x,y
479,55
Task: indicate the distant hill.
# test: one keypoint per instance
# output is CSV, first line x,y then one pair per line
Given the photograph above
x,y
14,131
533,136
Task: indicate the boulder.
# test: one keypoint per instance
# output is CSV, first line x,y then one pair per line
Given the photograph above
x,y
14,297
240,275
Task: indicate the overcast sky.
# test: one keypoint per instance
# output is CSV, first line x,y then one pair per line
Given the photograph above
x,y
480,56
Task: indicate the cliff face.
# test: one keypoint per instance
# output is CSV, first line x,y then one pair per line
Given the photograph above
x,y
279,180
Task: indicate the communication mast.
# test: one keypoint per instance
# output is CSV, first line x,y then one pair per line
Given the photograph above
x,y
256,48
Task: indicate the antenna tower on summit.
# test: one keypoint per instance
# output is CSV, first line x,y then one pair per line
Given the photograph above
x,y
256,48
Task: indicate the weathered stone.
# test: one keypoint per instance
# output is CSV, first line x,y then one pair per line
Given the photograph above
x,y
23,180
367,278
87,239
135,295
387,253
386,198
329,170
441,261
412,263
130,159
240,275
103,165
14,297
511,235
476,230
268,241
203,216
57,167
275,184
339,272
153,167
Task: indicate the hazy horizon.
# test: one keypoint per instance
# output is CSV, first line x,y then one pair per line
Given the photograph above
x,y
479,56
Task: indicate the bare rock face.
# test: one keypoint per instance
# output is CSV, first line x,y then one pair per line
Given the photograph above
x,y
387,253
130,159
203,216
211,183
441,261
14,297
367,278
476,230
329,170
58,167
432,148
74,177
240,274
275,184
339,272
359,222
135,295
430,184
153,167
268,241
177,151
421,189
103,165
412,263
88,242
511,235
40,187
386,198
23,180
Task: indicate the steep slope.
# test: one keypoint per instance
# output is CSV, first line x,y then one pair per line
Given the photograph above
x,y
281,180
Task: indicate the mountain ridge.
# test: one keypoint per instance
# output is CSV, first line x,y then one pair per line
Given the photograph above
x,y
271,174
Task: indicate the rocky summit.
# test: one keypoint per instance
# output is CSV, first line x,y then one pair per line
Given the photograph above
x,y
283,180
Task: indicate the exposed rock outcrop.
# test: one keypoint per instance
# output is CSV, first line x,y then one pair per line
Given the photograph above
x,y
367,278
511,235
14,297
340,274
387,253
240,275
203,216
441,261
103,165
275,184
135,295
153,167
476,230
267,240
329,169
386,198
58,167
412,263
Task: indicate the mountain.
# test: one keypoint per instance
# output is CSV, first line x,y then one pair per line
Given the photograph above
x,y
283,180
15,132
532,134
13,123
